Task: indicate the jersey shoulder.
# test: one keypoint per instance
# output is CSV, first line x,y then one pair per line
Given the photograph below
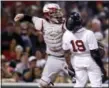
x,y
67,33
38,22
88,31
90,35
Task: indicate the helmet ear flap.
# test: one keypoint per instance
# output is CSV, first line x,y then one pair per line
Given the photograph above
x,y
69,24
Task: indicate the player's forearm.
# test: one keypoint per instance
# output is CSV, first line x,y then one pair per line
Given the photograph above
x,y
67,55
68,61
23,17
71,71
27,18
96,56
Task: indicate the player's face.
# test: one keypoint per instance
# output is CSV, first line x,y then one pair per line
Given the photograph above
x,y
58,15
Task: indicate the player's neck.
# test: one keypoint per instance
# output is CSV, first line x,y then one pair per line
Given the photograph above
x,y
77,29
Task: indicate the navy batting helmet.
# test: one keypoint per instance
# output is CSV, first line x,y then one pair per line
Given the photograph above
x,y
74,22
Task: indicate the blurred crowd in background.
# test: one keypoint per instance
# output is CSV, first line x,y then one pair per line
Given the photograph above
x,y
23,53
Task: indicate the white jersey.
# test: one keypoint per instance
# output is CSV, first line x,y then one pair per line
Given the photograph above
x,y
52,35
79,43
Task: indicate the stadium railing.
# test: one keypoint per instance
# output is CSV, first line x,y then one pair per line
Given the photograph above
x,y
35,85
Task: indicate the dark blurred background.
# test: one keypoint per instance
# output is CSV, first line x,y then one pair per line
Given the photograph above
x,y
20,41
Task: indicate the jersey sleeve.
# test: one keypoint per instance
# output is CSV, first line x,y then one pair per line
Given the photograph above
x,y
92,42
38,23
65,43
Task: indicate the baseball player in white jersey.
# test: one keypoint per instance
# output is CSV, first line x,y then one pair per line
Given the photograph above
x,y
82,45
52,27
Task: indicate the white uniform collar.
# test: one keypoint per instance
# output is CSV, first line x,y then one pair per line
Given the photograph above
x,y
82,29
